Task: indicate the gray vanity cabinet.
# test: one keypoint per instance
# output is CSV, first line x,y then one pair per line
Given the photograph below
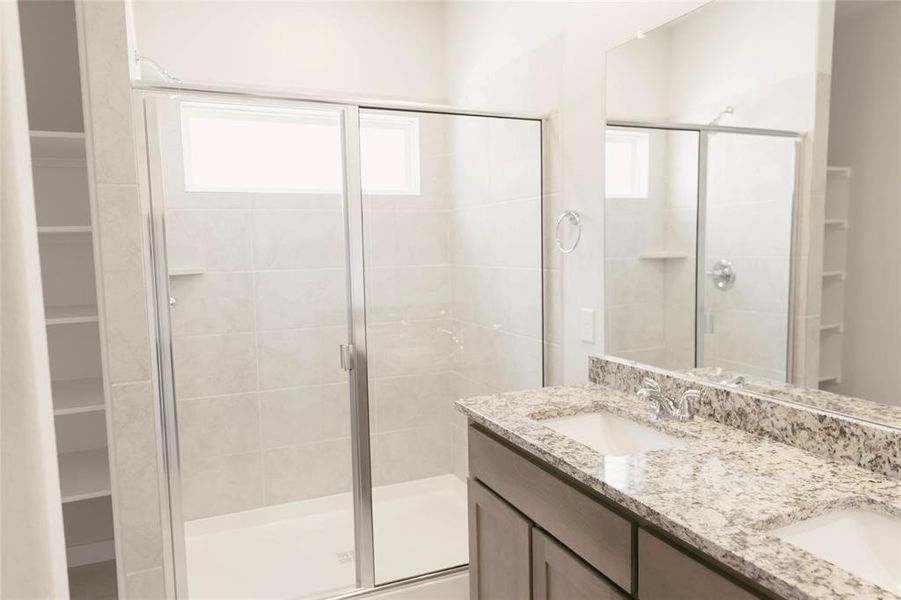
x,y
665,573
499,542
558,574
534,535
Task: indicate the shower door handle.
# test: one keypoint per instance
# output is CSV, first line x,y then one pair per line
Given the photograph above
x,y
347,357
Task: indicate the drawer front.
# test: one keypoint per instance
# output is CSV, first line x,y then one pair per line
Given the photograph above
x,y
558,574
601,537
666,573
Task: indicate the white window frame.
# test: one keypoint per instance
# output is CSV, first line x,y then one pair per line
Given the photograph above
x,y
639,143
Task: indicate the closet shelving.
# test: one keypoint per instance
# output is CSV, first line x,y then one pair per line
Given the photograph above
x,y
65,237
67,242
835,242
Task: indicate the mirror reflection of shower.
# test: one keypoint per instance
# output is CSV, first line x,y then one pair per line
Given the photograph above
x,y
698,246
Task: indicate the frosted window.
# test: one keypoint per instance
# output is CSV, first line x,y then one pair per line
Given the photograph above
x,y
265,149
627,158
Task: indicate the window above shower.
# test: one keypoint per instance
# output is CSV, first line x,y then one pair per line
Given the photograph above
x,y
627,157
229,148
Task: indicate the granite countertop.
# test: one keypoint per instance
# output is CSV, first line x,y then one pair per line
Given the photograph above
x,y
720,492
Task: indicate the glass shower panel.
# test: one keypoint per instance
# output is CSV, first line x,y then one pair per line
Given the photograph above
x,y
253,201
452,229
744,298
651,225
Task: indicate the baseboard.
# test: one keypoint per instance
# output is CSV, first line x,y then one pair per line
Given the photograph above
x,y
87,554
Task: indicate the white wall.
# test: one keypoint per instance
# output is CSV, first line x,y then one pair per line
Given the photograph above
x,y
372,49
865,135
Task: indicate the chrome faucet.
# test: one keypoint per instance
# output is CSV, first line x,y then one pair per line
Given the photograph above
x,y
665,407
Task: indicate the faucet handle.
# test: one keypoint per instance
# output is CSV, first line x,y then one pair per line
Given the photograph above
x,y
650,385
683,410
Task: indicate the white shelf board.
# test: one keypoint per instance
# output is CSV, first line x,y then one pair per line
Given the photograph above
x,y
76,396
65,145
663,255
65,315
63,229
840,171
833,378
834,274
837,223
84,475
186,272
837,327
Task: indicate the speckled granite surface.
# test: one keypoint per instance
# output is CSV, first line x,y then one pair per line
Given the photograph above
x,y
721,492
815,429
860,408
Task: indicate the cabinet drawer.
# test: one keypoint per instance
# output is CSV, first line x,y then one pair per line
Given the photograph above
x,y
601,537
666,573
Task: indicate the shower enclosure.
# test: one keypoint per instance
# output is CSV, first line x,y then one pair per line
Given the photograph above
x,y
707,280
328,279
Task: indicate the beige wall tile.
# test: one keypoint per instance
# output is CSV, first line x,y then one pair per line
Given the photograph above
x,y
406,237
212,303
146,585
110,92
293,299
214,485
308,471
408,292
411,454
298,239
211,365
218,426
214,240
410,401
298,357
302,415
125,299
136,476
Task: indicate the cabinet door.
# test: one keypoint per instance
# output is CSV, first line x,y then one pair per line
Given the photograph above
x,y
558,574
499,553
665,573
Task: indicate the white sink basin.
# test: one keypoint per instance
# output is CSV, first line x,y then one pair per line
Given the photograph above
x,y
612,435
865,543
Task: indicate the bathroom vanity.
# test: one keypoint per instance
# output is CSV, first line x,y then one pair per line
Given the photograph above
x,y
531,528
561,506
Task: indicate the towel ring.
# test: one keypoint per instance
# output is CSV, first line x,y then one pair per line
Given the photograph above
x,y
573,218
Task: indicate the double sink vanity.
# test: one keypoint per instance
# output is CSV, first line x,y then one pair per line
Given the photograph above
x,y
590,492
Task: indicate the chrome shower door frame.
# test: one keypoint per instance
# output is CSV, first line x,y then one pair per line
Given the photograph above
x,y
159,304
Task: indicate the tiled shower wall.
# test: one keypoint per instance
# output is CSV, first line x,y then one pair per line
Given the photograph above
x,y
453,309
649,298
495,177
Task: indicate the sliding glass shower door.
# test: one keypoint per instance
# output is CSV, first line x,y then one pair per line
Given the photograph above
x,y
452,229
328,281
744,298
251,196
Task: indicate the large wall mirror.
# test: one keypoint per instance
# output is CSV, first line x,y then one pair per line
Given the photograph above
x,y
753,201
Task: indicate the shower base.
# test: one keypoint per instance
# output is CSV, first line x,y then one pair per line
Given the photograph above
x,y
306,548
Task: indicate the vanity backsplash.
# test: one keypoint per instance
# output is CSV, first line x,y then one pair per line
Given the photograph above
x,y
826,434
